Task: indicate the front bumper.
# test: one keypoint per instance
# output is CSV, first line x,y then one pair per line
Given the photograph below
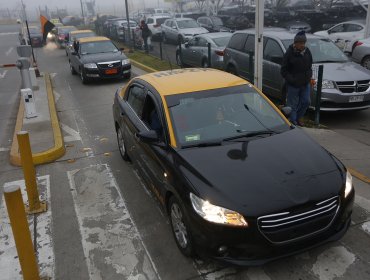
x,y
247,246
335,100
97,73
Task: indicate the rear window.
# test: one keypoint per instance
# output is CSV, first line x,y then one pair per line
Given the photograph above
x,y
237,41
222,41
161,20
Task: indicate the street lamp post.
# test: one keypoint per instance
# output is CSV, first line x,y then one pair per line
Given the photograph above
x,y
258,44
128,26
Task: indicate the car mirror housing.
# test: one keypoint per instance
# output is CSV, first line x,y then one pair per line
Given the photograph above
x,y
149,137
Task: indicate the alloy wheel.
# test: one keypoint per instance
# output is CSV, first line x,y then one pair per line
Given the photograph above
x,y
178,225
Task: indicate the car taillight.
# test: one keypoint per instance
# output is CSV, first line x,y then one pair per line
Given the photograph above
x,y
358,43
220,53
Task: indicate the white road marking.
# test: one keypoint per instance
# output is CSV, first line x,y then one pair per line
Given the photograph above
x,y
2,149
110,239
333,263
73,135
7,53
366,227
57,96
9,265
2,76
8,33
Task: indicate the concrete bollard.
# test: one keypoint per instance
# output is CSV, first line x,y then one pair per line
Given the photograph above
x,y
35,206
34,83
23,65
21,232
29,103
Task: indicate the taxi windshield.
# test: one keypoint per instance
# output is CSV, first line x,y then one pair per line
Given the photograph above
x,y
214,115
98,47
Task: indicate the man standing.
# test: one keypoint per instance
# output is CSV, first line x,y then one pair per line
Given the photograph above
x,y
297,72
145,33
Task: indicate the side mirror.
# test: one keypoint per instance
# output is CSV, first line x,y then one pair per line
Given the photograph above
x,y
277,59
149,137
286,111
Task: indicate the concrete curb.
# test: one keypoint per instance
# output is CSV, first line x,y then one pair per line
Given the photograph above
x,y
49,155
142,66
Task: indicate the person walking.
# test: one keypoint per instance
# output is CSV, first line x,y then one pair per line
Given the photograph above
x,y
145,33
297,72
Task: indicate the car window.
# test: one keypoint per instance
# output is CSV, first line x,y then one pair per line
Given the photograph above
x,y
189,23
237,41
249,44
353,27
151,116
161,20
201,20
150,20
136,99
272,50
338,28
222,41
221,113
168,23
201,42
98,47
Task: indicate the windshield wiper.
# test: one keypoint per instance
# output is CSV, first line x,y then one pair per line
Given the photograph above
x,y
202,144
251,134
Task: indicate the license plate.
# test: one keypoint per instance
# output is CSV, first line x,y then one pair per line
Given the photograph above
x,y
111,71
358,98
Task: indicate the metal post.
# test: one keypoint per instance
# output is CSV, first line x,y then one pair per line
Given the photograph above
x,y
128,26
251,67
180,51
160,46
29,38
132,43
21,232
209,55
318,94
35,206
82,11
258,44
367,27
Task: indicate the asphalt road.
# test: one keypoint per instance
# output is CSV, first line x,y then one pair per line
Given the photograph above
x,y
86,116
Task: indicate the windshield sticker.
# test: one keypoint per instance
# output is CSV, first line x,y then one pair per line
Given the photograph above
x,y
189,138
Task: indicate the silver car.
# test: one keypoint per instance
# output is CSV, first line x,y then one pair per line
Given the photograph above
x,y
195,52
361,52
346,85
181,29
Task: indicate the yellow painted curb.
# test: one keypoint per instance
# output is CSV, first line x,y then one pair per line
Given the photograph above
x,y
142,66
49,155
359,175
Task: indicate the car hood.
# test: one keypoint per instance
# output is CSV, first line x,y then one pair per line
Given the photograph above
x,y
102,57
348,71
323,33
192,31
276,173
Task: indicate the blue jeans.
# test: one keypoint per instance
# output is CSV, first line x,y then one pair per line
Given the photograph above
x,y
299,100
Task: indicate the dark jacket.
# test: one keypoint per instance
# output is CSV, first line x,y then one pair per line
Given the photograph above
x,y
145,31
297,67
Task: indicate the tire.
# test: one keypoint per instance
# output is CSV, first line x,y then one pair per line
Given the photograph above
x,y
180,228
83,77
121,145
366,62
164,38
73,71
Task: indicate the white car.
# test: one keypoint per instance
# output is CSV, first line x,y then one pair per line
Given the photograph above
x,y
345,34
154,23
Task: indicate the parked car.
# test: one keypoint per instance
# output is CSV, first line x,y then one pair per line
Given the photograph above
x,y
35,38
154,23
361,52
61,35
213,24
119,29
346,85
345,34
77,34
181,29
195,52
297,25
99,58
237,22
208,146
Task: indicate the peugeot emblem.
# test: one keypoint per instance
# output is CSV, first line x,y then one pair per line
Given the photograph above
x,y
110,65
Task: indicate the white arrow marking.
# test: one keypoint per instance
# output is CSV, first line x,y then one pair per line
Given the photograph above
x,y
73,135
8,33
9,51
3,74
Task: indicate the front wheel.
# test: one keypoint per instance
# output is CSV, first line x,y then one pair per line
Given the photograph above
x,y
366,62
180,228
121,145
83,77
73,71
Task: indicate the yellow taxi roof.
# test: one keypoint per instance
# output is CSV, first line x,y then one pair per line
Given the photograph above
x,y
80,31
190,80
93,39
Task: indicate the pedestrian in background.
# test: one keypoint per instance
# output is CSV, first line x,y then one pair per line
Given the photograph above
x,y
145,33
297,72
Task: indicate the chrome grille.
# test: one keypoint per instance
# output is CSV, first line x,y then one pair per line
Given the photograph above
x,y
109,64
353,86
289,225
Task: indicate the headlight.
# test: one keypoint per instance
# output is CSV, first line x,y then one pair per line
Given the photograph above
x,y
349,185
216,214
326,84
90,65
125,61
